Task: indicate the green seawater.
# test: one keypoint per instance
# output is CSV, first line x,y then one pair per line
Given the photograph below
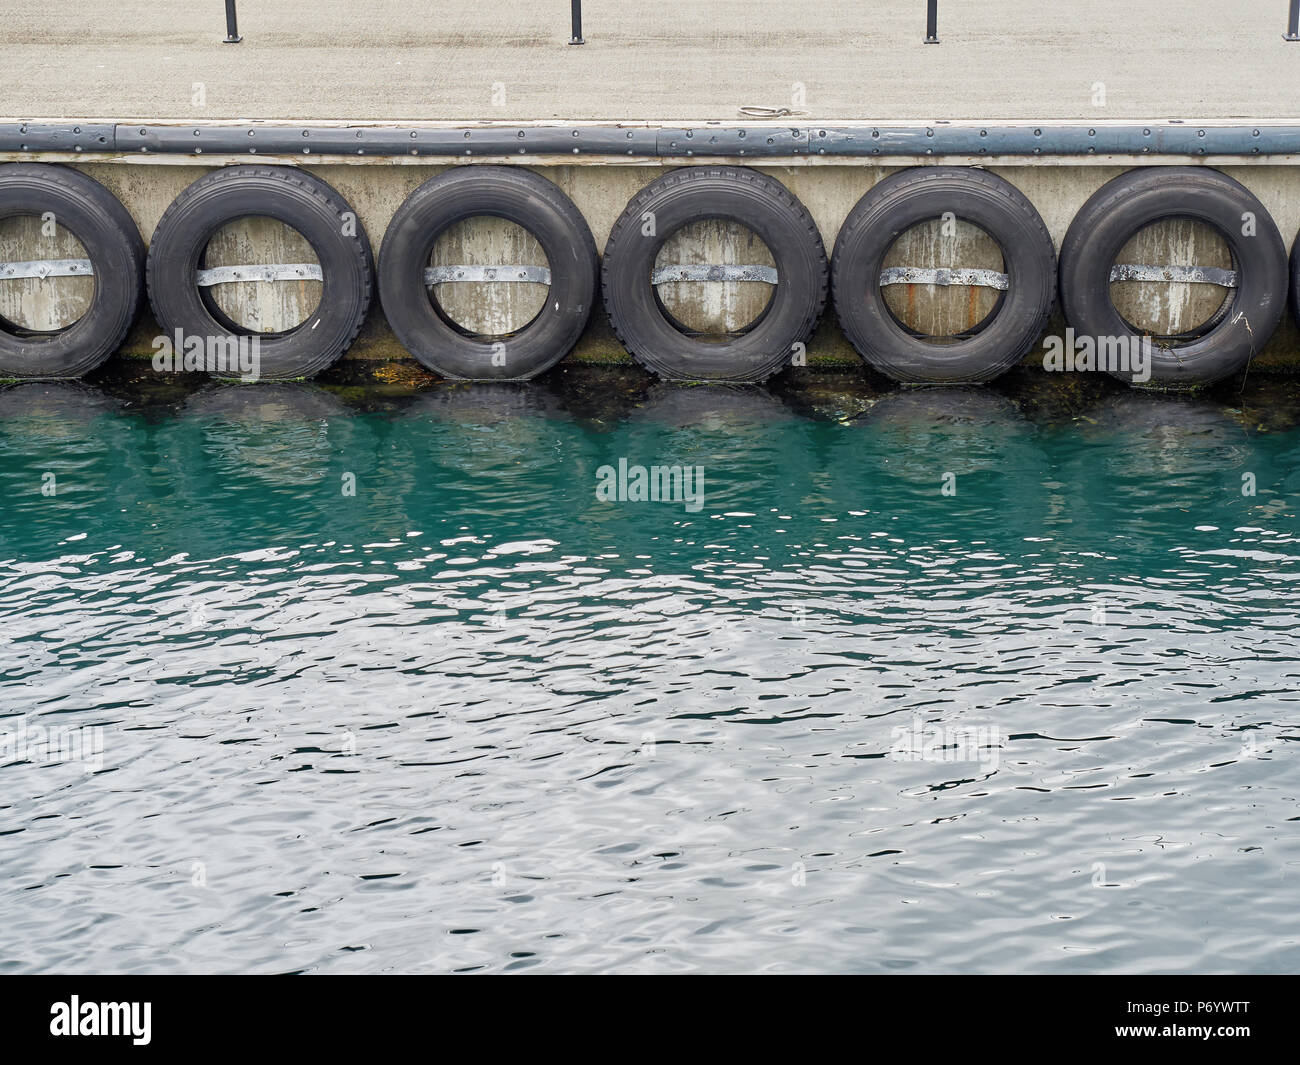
x,y
294,678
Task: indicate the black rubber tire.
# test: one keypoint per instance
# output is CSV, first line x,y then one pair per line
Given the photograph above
x,y
693,194
95,217
301,201
1295,281
1138,198
917,195
519,196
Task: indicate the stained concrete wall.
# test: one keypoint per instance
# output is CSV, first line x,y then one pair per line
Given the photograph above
x,y
830,190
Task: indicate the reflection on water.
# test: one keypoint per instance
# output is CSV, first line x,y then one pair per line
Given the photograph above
x,y
949,679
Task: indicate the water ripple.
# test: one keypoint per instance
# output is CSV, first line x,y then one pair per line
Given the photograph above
x,y
465,716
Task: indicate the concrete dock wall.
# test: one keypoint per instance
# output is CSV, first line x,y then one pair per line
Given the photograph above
x,y
601,183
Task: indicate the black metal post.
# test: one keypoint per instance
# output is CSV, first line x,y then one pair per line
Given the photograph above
x,y
232,24
577,23
1293,27
932,21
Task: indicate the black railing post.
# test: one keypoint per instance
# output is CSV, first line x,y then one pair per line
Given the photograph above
x,y
577,23
1293,26
232,24
932,21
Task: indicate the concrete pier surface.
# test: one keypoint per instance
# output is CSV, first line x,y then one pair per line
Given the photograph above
x,y
463,60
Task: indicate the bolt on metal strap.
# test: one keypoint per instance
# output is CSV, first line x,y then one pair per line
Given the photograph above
x,y
440,275
1183,275
229,275
665,275
43,268
916,275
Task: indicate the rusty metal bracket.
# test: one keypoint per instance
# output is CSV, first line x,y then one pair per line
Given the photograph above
x,y
441,275
916,275
229,275
666,275
1176,275
43,268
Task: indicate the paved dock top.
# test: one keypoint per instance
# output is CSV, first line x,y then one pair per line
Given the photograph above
x,y
464,60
